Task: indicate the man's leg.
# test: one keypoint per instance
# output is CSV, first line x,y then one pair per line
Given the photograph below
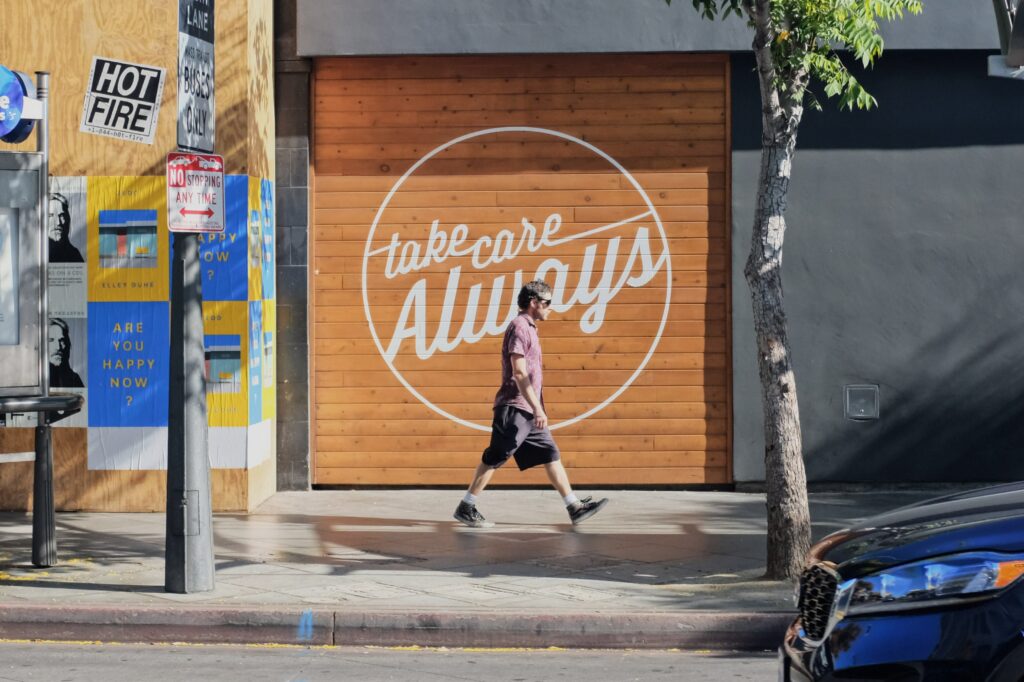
x,y
481,478
503,443
558,477
467,512
579,510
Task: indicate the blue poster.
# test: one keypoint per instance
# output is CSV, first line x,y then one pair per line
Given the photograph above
x,y
267,214
129,345
255,362
222,256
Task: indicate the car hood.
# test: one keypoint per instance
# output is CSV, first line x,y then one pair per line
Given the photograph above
x,y
989,519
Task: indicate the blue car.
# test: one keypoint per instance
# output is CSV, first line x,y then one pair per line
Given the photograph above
x,y
929,592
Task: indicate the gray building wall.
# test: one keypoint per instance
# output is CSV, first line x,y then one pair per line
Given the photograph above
x,y
902,268
363,27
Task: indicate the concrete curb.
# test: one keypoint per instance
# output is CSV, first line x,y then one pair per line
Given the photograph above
x,y
319,626
199,625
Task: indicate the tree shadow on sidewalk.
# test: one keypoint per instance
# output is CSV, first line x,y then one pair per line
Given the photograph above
x,y
712,543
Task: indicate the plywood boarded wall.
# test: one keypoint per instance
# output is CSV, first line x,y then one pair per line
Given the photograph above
x,y
630,153
62,37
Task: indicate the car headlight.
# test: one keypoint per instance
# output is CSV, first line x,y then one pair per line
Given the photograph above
x,y
929,583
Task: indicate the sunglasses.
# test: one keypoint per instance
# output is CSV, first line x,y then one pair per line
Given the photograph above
x,y
544,302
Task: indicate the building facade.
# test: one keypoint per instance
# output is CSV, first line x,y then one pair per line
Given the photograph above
x,y
396,170
643,119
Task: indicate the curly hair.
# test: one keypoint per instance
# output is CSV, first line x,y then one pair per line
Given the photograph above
x,y
538,289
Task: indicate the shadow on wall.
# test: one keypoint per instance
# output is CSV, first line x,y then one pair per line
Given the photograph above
x,y
232,140
260,96
958,417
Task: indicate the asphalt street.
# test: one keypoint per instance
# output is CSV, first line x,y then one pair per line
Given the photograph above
x,y
26,661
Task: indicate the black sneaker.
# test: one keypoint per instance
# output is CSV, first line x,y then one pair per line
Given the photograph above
x,y
468,514
585,508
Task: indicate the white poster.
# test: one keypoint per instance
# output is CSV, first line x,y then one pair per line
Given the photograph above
x,y
67,344
8,277
127,448
66,228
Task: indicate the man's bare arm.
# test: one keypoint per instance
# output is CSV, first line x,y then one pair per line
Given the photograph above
x,y
522,377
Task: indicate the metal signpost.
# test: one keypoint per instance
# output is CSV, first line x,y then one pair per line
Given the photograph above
x,y
24,308
188,563
195,203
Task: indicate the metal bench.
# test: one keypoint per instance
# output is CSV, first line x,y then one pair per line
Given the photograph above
x,y
50,408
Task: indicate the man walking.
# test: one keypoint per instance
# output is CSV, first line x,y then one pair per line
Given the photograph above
x,y
520,426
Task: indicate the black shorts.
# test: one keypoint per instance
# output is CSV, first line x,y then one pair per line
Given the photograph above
x,y
513,434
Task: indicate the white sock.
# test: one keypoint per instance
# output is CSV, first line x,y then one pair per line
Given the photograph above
x,y
571,499
469,498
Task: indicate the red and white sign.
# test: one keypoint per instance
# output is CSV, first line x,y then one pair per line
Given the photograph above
x,y
195,192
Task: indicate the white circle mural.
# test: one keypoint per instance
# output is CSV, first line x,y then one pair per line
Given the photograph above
x,y
447,284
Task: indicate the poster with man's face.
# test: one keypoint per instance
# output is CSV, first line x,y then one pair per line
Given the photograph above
x,y
66,220
66,229
67,346
66,343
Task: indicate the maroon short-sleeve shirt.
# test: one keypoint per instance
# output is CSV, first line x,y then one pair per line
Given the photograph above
x,y
520,339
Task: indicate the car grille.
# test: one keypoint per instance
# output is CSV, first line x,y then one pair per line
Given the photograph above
x,y
817,592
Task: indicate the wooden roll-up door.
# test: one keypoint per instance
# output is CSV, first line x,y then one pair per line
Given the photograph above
x,y
442,183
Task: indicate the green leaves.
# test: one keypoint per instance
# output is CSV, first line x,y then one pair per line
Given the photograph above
x,y
710,9
839,82
810,37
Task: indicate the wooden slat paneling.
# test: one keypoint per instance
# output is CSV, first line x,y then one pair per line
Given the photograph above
x,y
510,476
664,118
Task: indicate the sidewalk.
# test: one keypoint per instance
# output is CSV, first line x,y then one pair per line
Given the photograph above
x,y
654,569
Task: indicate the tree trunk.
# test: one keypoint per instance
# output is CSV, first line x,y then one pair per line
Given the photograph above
x,y
789,526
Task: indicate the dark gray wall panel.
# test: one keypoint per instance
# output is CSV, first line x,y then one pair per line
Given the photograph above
x,y
902,269
291,110
368,27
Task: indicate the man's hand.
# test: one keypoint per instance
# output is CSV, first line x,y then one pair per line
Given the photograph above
x,y
540,419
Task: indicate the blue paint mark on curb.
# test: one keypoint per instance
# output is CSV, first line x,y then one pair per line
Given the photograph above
x,y
305,629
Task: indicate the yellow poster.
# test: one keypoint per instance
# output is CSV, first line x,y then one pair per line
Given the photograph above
x,y
226,345
255,227
127,239
269,364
